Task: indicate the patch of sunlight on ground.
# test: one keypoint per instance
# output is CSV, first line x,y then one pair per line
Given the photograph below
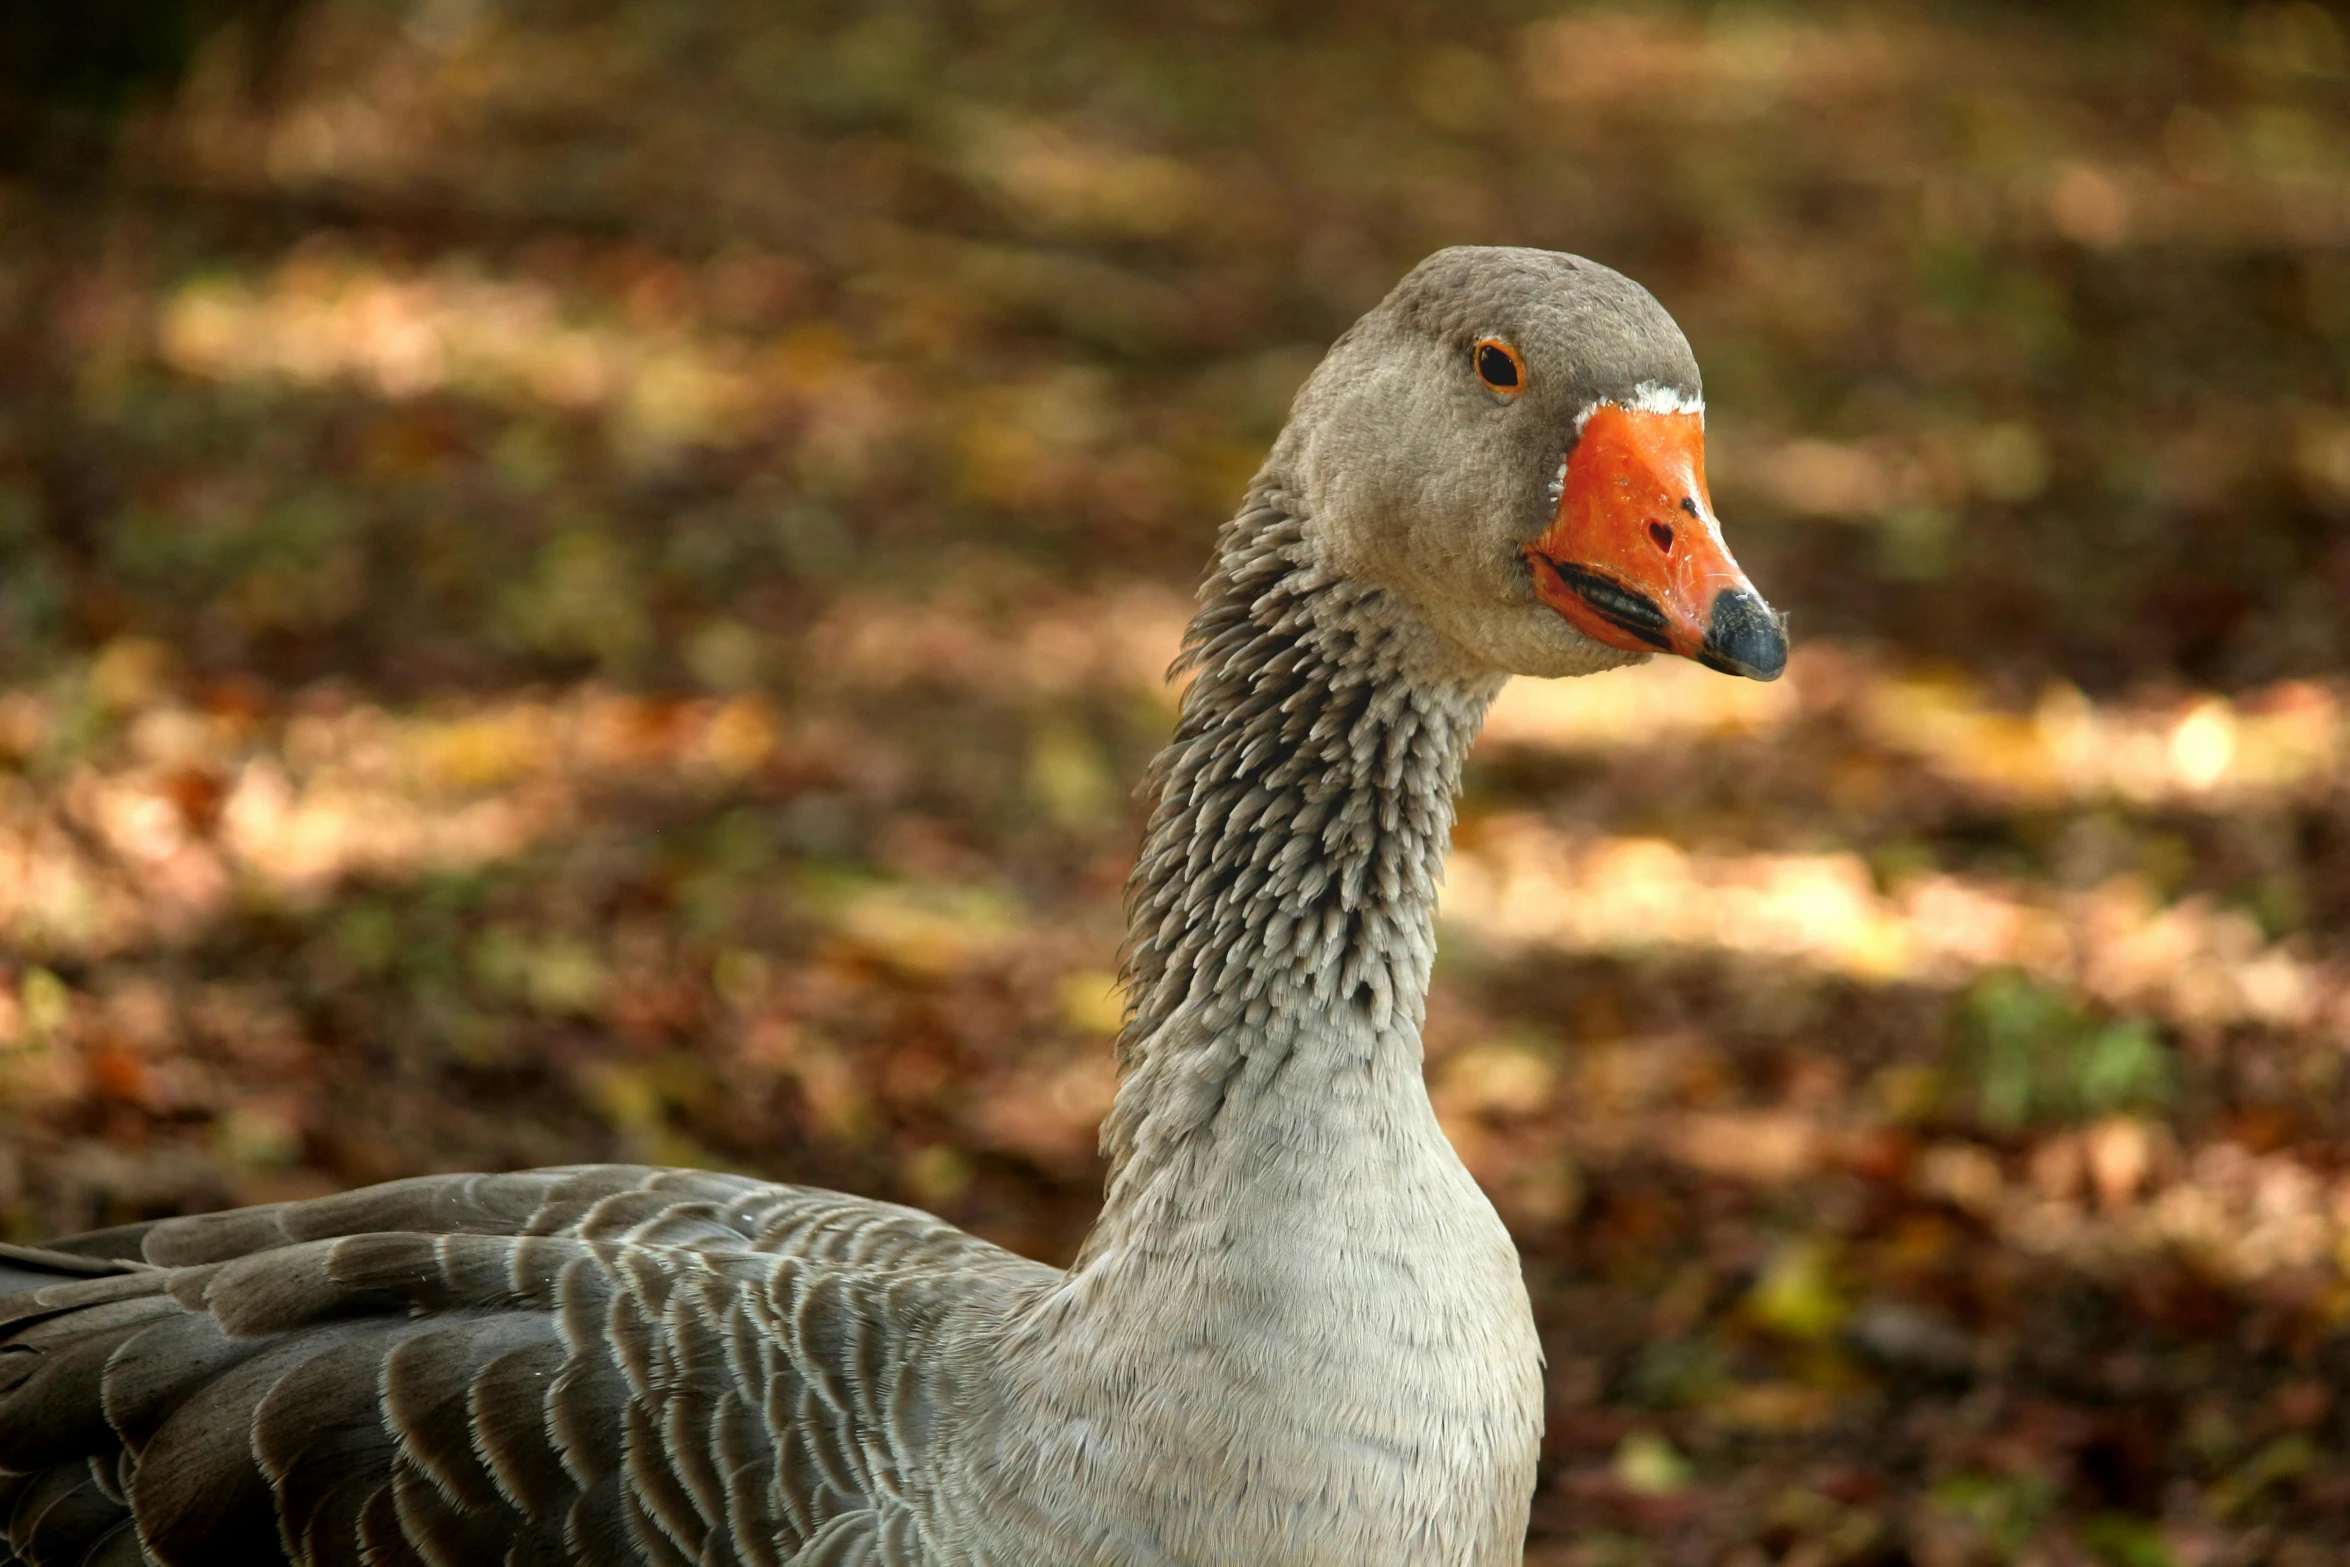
x,y
173,834
160,835
324,318
2282,740
1666,698
1522,882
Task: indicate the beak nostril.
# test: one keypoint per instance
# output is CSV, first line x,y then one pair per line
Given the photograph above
x,y
1662,533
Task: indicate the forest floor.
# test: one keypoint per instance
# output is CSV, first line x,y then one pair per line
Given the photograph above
x,y
593,584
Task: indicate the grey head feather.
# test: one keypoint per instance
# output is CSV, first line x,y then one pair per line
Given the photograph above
x,y
1413,477
1596,331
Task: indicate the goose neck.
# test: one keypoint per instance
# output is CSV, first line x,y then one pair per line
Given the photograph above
x,y
1282,909
1298,1330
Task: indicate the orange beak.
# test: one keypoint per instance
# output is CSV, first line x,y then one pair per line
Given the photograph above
x,y
1635,558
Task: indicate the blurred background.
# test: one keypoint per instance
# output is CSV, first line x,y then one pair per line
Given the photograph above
x,y
589,579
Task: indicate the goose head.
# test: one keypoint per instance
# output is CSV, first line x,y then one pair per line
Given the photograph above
x,y
1512,445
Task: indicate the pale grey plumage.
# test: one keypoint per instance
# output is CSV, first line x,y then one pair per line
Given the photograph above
x,y
1296,1337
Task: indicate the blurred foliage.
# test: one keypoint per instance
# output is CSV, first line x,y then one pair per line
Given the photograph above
x,y
69,74
588,579
2032,1055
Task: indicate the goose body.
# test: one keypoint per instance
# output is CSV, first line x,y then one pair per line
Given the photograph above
x,y
1296,1337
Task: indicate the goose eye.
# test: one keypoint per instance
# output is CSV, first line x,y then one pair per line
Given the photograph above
x,y
1499,367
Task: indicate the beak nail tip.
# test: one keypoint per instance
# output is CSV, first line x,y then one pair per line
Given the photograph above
x,y
1743,636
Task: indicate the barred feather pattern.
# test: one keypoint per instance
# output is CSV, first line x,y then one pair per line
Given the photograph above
x,y
600,1365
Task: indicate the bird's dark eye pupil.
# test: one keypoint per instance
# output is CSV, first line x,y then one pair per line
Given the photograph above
x,y
1496,366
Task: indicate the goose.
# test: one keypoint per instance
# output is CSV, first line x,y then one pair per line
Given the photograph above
x,y
1298,1334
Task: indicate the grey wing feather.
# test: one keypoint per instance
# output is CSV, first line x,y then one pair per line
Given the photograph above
x,y
557,1368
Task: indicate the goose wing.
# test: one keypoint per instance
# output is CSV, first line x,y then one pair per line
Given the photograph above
x,y
604,1366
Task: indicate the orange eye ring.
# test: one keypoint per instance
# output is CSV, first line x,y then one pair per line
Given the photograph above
x,y
1498,366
